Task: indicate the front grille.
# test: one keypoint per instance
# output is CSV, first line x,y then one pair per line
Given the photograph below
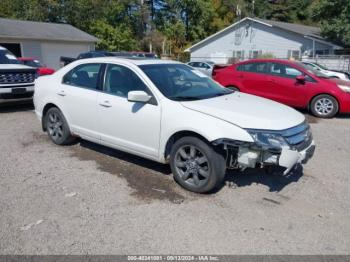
x,y
17,96
298,137
16,77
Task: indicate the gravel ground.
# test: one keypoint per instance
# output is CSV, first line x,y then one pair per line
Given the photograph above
x,y
88,199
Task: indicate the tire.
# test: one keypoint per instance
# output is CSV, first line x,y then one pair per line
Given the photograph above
x,y
196,166
57,127
233,88
324,106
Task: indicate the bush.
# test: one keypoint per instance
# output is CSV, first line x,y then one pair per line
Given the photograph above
x,y
266,55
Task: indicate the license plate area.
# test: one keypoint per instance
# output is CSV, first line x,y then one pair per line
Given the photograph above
x,y
16,91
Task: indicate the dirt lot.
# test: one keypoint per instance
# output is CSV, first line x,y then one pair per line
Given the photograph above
x,y
88,199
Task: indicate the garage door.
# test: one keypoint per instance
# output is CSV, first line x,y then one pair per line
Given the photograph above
x,y
51,52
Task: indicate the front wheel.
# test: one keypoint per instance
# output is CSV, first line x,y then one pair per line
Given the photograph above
x,y
196,166
324,106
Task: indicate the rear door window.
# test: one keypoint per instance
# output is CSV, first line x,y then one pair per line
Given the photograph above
x,y
86,76
257,67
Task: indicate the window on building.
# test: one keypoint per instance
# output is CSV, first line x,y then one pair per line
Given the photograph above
x,y
239,54
255,53
293,54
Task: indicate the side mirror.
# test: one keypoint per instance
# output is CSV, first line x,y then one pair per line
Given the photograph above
x,y
138,96
300,78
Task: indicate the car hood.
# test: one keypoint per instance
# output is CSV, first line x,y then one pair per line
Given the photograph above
x,y
339,81
14,66
248,111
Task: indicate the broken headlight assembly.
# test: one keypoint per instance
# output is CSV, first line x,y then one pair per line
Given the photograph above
x,y
268,141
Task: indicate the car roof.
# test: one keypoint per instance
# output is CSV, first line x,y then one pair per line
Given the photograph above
x,y
131,60
285,61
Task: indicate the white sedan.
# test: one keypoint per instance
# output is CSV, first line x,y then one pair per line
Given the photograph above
x,y
206,67
327,72
170,113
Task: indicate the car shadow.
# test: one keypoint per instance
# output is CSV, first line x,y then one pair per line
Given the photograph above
x,y
13,107
120,155
272,178
343,116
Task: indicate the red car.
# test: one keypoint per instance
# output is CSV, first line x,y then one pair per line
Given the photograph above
x,y
42,70
288,82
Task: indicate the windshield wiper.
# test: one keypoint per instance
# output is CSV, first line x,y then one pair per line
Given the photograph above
x,y
184,98
221,94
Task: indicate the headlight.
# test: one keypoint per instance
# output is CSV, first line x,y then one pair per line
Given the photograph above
x,y
268,140
344,88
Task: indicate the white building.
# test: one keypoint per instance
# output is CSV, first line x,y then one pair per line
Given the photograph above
x,y
46,42
253,37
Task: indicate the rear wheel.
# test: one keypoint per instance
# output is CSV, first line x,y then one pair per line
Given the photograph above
x,y
196,166
324,106
57,127
233,88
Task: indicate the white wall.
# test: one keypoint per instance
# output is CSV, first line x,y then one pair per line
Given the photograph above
x,y
52,51
49,52
253,36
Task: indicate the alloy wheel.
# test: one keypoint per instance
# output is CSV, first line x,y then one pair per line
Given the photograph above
x,y
324,106
55,126
192,165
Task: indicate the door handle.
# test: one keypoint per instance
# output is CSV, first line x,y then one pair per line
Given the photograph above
x,y
105,104
61,93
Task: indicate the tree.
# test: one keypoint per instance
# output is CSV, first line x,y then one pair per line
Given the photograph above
x,y
334,16
114,38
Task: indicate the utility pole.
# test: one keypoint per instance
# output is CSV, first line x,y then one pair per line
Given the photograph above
x,y
238,12
253,6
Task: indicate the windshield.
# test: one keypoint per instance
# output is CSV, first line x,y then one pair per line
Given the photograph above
x,y
32,63
7,57
313,71
183,83
321,66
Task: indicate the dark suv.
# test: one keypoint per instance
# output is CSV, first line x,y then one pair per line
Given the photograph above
x,y
16,80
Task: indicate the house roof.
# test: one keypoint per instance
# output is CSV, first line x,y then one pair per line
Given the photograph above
x,y
306,31
20,29
296,28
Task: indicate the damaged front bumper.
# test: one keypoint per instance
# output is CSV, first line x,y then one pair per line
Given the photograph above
x,y
248,155
289,158
285,148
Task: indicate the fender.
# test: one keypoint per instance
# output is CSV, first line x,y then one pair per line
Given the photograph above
x,y
211,128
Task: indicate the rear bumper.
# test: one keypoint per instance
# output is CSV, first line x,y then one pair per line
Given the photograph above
x,y
11,94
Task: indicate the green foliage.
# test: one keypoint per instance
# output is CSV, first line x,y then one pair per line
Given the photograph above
x,y
115,38
266,55
334,16
172,25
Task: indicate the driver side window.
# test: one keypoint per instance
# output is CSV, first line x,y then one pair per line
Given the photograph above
x,y
120,80
282,70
